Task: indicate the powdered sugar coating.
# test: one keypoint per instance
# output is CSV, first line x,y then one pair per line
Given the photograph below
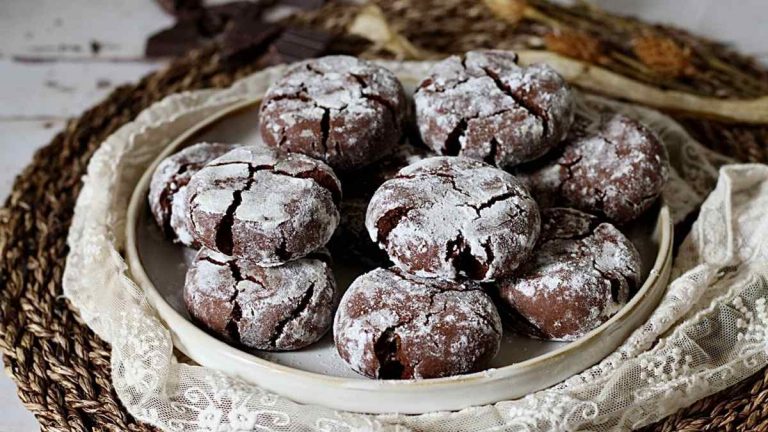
x,y
267,308
346,111
485,106
264,204
454,217
392,325
611,165
581,273
168,188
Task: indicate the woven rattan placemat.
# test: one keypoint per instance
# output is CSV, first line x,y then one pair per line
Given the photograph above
x,y
63,370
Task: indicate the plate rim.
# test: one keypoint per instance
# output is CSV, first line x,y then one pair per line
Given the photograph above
x,y
663,231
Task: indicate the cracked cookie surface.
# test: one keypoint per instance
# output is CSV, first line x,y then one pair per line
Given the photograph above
x,y
582,272
168,189
452,217
343,110
391,325
266,308
264,204
485,106
611,165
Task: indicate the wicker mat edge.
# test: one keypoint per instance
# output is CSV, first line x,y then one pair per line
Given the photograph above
x,y
63,370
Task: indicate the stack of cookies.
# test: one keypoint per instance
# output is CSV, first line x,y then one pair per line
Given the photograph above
x,y
502,207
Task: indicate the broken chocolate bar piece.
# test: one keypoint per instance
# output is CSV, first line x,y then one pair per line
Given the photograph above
x,y
176,40
246,40
298,44
197,27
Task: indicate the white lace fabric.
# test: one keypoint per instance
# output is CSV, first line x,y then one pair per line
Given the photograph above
x,y
709,332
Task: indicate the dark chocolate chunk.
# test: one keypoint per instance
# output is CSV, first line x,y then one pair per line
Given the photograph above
x,y
296,44
176,40
244,41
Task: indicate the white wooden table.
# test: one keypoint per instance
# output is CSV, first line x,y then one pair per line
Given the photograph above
x,y
49,72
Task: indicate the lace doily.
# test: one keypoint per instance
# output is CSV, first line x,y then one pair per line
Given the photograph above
x,y
709,331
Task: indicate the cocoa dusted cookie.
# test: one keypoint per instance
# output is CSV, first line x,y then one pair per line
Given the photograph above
x,y
346,111
485,106
168,189
266,308
351,240
391,325
581,273
611,166
452,217
264,204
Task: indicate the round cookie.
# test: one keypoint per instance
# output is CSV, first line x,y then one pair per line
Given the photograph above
x,y
346,111
451,217
264,204
266,308
351,241
582,272
168,189
613,166
391,325
485,106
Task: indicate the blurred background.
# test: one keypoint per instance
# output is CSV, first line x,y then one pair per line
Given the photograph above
x,y
59,58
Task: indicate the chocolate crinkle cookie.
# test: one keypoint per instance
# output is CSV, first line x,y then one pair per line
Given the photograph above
x,y
266,308
343,110
391,325
612,166
485,106
454,217
582,272
168,189
264,204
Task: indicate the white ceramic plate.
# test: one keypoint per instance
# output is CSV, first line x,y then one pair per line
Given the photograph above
x,y
317,375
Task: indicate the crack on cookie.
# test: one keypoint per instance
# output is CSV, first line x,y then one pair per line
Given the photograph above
x,y
311,68
568,166
521,102
387,350
451,181
360,80
389,221
300,96
282,250
495,200
300,308
233,325
325,126
232,328
453,145
224,240
459,254
490,158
